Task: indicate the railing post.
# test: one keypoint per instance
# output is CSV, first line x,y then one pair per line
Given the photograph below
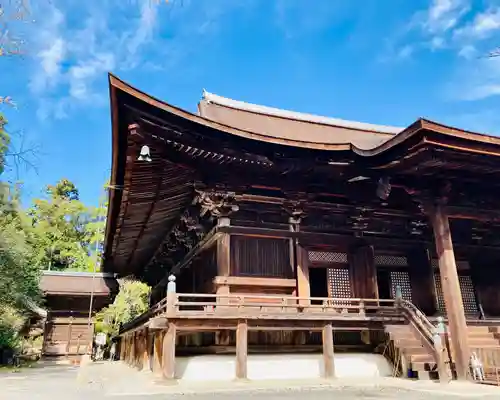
x,y
362,308
439,351
399,296
171,296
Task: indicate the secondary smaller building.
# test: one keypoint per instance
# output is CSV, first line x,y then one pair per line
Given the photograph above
x,y
67,333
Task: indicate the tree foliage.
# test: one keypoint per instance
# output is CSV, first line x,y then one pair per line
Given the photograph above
x,y
67,233
57,231
19,278
130,302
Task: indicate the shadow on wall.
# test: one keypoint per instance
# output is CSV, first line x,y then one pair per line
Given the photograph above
x,y
281,366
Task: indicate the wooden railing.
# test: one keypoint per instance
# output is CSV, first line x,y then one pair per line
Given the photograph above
x,y
490,360
426,332
204,305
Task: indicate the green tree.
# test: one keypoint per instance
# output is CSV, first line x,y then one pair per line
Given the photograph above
x,y
131,301
67,232
19,278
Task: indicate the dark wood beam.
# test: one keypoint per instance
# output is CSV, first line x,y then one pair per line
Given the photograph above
x,y
209,240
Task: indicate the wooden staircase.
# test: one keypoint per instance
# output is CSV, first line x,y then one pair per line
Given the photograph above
x,y
484,340
414,356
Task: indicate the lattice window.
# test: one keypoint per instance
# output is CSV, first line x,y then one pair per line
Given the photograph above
x,y
467,290
391,261
461,264
468,294
339,282
439,294
401,279
328,257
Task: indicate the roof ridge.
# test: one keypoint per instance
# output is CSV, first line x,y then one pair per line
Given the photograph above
x,y
299,116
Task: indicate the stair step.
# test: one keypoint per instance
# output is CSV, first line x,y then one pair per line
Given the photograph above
x,y
422,358
414,350
423,366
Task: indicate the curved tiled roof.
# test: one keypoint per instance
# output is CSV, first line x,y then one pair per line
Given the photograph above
x,y
293,126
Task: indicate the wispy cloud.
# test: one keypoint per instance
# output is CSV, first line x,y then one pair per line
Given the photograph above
x,y
442,15
475,80
483,26
464,32
71,57
79,43
52,48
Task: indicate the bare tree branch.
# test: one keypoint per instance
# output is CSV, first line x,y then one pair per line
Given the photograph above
x,y
21,153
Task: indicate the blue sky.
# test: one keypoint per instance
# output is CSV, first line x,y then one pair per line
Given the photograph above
x,y
379,61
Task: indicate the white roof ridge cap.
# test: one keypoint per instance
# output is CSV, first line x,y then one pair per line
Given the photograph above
x,y
277,112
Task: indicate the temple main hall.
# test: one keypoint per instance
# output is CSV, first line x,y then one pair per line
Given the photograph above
x,y
266,231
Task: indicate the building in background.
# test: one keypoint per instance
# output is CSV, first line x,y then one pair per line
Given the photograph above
x,y
67,295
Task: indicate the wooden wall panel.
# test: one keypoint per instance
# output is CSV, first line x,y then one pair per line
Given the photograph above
x,y
362,270
422,280
260,257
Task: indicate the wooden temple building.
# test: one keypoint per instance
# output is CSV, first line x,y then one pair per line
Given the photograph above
x,y
67,332
288,231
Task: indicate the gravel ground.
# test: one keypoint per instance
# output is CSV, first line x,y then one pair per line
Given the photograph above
x,y
117,381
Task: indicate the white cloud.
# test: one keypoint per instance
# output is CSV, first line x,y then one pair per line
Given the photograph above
x,y
468,52
145,28
406,51
443,15
74,55
484,25
476,80
51,53
81,75
437,43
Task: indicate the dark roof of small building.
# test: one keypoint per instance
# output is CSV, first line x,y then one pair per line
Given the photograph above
x,y
78,283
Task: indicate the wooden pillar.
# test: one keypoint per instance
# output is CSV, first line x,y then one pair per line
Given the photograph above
x,y
451,290
126,348
223,255
132,349
423,290
122,348
362,271
241,350
168,356
328,352
157,352
223,261
303,284
129,349
139,352
68,344
145,351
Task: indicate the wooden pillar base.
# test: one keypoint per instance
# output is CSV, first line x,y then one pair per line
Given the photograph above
x,y
328,352
157,353
169,351
241,350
